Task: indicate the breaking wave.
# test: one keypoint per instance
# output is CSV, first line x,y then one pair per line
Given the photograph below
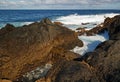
x,y
76,19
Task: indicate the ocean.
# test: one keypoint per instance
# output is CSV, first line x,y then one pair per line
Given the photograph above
x,y
70,18
21,17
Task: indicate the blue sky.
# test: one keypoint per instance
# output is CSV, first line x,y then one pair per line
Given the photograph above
x,y
59,4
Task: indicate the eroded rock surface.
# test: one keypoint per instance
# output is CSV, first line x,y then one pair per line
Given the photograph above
x,y
41,43
26,48
101,65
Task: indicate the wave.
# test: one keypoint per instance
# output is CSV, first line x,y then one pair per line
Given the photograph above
x,y
75,19
26,23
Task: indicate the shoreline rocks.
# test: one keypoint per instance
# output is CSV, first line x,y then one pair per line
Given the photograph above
x,y
96,30
101,65
30,46
40,43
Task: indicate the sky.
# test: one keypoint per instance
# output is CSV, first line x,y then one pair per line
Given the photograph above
x,y
59,4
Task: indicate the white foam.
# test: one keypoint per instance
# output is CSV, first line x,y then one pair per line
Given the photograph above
x,y
90,42
26,23
76,19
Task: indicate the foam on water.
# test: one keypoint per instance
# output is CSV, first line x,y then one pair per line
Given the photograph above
x,y
76,19
26,23
90,42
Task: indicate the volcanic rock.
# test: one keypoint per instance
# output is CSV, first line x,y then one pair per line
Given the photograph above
x,y
6,29
70,71
106,57
96,30
28,47
113,26
101,65
47,43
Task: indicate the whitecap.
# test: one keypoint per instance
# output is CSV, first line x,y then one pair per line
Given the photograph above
x,y
78,19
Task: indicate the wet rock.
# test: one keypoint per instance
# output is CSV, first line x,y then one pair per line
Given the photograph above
x,y
106,57
113,26
96,30
85,23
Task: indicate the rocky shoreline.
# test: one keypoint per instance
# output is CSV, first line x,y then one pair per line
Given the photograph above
x,y
40,52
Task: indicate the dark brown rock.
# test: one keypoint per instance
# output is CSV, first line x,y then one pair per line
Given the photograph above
x,y
106,60
85,23
113,26
28,47
72,71
6,29
101,65
106,57
38,44
96,30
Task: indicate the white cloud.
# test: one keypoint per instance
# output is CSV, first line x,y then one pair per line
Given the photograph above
x,y
37,3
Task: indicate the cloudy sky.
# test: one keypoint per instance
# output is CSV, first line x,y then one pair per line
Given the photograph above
x,y
59,4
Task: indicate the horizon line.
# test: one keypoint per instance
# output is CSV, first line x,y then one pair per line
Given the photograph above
x,y
58,9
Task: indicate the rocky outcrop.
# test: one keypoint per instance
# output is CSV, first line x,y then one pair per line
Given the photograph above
x,y
113,25
110,24
25,48
106,57
38,45
101,65
6,29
